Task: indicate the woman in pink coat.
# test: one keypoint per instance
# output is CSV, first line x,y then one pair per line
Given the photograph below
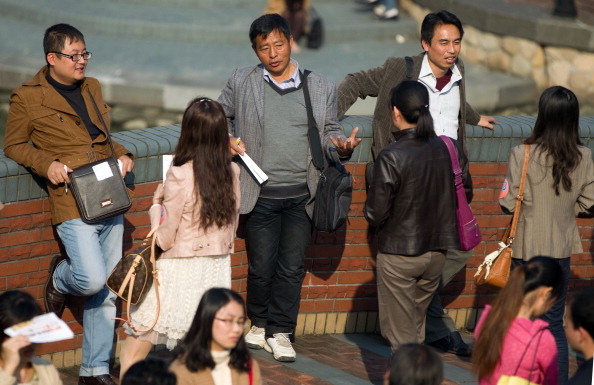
x,y
510,339
197,210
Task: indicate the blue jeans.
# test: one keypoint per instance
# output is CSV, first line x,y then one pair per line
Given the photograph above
x,y
555,319
389,4
93,251
278,232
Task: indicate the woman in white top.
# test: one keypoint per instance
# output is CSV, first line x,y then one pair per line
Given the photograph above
x,y
214,351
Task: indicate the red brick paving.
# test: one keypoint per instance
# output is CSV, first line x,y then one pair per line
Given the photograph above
x,y
329,351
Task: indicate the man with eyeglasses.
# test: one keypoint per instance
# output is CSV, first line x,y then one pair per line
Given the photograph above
x,y
55,112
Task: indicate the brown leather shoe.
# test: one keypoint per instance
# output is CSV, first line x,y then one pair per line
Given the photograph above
x,y
104,379
53,299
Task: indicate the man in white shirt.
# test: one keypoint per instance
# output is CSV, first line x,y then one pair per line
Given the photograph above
x,y
442,72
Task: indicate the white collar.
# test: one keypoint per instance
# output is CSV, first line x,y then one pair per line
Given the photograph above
x,y
427,71
295,79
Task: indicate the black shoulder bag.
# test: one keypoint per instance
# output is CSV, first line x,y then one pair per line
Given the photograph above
x,y
98,187
335,187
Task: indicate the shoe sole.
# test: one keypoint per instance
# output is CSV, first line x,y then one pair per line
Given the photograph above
x,y
254,346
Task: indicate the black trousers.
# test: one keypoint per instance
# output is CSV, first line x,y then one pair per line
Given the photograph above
x,y
278,232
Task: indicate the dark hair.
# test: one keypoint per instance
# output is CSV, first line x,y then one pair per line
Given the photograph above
x,y
412,100
433,20
150,371
265,24
581,309
415,364
556,131
205,142
16,307
195,348
57,35
537,272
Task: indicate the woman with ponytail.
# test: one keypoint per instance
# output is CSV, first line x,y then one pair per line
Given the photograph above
x,y
412,202
559,185
510,338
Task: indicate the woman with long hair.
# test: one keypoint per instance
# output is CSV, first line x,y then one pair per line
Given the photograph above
x,y
196,210
412,202
214,351
510,338
559,185
18,364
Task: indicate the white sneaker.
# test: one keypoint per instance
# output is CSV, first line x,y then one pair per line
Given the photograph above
x,y
391,14
280,347
255,338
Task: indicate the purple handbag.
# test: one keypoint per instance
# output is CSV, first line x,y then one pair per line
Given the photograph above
x,y
468,229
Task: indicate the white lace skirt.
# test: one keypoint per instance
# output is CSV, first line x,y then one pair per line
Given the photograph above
x,y
182,283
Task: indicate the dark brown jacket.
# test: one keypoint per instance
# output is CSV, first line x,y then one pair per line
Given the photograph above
x,y
38,113
378,82
412,199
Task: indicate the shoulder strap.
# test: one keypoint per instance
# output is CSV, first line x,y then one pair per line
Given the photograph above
x,y
454,158
519,198
540,333
315,145
113,153
250,372
409,67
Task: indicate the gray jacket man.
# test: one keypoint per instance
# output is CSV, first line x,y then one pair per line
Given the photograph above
x,y
267,106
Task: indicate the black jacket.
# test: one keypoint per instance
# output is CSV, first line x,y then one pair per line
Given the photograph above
x,y
412,199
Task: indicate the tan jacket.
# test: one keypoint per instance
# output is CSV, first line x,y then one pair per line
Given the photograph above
x,y
203,377
38,113
547,223
180,234
45,374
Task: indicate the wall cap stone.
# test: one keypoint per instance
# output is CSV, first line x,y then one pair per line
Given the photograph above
x,y
17,184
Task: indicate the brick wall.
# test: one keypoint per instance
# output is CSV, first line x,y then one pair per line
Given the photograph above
x,y
339,293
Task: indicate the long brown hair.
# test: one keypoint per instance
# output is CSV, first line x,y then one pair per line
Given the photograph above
x,y
204,141
556,131
538,272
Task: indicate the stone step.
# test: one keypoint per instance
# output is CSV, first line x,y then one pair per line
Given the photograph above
x,y
212,22
158,71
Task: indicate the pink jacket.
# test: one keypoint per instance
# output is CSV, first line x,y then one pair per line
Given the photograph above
x,y
180,234
521,332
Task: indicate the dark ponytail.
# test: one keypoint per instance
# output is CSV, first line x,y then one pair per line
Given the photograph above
x,y
412,100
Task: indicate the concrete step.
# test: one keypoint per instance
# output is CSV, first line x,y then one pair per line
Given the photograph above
x,y
210,22
156,69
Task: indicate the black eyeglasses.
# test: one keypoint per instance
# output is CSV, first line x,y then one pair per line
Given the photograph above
x,y
77,57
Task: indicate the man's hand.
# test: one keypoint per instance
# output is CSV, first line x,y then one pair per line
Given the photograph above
x,y
58,173
236,145
487,122
345,148
127,164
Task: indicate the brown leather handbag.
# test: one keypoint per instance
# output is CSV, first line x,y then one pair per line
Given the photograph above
x,y
495,268
134,275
